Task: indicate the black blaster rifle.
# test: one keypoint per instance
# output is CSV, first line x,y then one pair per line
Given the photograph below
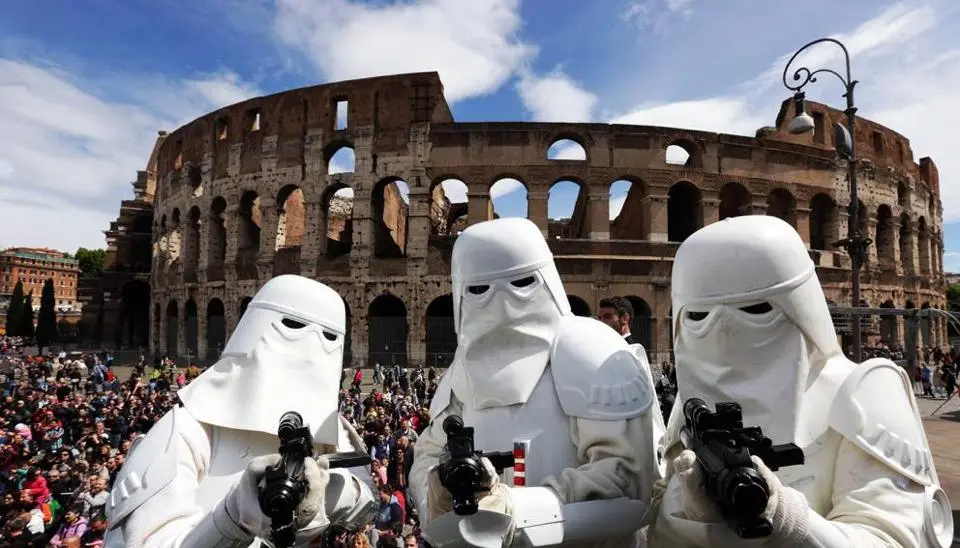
x,y
723,447
460,469
285,485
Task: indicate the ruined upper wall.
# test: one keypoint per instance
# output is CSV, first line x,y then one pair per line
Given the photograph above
x,y
388,104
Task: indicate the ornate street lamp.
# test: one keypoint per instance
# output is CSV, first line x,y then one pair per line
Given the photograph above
x,y
855,243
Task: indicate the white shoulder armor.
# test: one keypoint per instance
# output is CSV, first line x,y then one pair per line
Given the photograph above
x,y
441,398
150,466
875,409
597,375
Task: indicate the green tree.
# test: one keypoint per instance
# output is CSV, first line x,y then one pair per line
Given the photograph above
x,y
26,319
953,297
15,310
47,317
91,261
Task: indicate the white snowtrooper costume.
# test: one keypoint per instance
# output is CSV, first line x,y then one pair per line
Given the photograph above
x,y
751,325
566,394
192,480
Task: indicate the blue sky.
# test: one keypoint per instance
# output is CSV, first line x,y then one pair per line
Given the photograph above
x,y
84,86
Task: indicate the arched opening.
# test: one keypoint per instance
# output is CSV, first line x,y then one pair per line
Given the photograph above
x,y
903,195
173,329
217,235
681,153
448,207
578,306
508,198
387,331
391,204
863,219
885,228
250,222
290,217
925,324
906,244
734,200
157,325
566,149
340,159
823,214
923,246
781,204
133,330
641,322
192,240
244,303
338,209
566,210
142,235
441,339
888,325
174,240
216,328
627,219
684,216
191,329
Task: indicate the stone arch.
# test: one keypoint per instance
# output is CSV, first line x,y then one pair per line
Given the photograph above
x,y
735,200
923,245
133,330
903,195
448,206
926,332
389,208
337,206
217,233
340,157
441,335
216,328
192,240
567,209
387,331
885,232
291,217
684,214
507,198
641,323
244,303
578,306
823,219
888,325
250,220
907,243
173,329
568,147
782,205
191,329
683,152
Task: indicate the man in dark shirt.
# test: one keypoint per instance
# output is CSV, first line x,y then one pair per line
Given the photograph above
x,y
617,312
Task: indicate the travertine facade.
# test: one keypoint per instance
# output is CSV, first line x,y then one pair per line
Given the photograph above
x,y
246,193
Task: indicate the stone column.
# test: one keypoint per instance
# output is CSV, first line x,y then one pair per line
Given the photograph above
x,y
655,212
710,211
872,256
202,330
478,203
203,246
598,206
231,223
757,206
908,264
314,236
270,216
801,221
537,209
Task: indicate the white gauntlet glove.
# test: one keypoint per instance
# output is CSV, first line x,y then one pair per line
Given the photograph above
x,y
493,496
239,516
787,508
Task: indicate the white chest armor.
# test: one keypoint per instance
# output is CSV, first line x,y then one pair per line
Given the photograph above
x,y
538,428
814,478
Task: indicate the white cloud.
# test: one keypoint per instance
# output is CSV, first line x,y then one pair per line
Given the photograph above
x,y
555,97
504,187
473,45
67,155
565,149
455,191
908,82
656,15
616,204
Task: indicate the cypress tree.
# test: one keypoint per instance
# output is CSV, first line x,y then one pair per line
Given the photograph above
x,y
26,320
15,311
47,318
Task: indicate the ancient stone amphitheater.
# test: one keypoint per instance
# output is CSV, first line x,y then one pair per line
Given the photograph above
x,y
365,184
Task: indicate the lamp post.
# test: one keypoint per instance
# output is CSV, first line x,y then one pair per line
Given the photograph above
x,y
855,243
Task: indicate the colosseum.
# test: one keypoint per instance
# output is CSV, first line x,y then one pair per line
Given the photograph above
x,y
365,185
